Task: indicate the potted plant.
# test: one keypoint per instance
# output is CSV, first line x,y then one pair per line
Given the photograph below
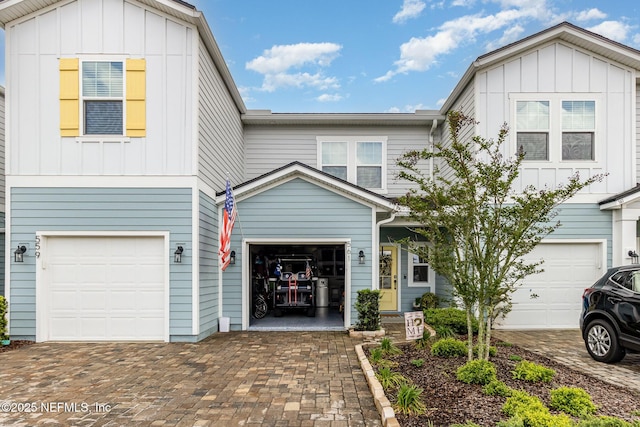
x,y
417,303
4,336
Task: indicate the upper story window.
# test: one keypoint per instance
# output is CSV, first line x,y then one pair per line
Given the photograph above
x,y
556,129
102,98
359,160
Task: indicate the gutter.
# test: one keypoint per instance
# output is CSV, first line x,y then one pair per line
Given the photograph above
x,y
431,147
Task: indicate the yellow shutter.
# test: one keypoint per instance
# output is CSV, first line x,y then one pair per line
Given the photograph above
x,y
69,97
136,93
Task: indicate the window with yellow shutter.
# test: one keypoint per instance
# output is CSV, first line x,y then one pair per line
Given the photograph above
x,y
102,98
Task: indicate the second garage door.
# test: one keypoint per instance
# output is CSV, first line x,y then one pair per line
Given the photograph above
x,y
104,288
552,299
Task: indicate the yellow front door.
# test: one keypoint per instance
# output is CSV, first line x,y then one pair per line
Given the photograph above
x,y
388,279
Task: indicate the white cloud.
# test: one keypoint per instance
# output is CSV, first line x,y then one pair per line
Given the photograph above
x,y
410,9
325,97
282,57
276,65
509,35
614,30
420,54
636,39
463,3
588,15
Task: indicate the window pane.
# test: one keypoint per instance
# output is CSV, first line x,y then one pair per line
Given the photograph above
x,y
534,145
577,146
532,115
578,115
420,273
334,153
369,176
369,153
337,171
102,79
103,117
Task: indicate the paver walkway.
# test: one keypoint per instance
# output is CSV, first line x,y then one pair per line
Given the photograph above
x,y
238,378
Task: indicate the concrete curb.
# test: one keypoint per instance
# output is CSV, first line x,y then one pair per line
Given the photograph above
x,y
380,399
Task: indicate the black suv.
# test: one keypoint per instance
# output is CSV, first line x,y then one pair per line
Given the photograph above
x,y
610,319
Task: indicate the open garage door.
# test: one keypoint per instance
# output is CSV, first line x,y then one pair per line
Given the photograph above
x,y
552,299
302,286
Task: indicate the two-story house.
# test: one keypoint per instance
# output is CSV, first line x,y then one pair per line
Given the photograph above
x,y
123,125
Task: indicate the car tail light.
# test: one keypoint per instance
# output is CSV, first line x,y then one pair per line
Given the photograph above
x,y
587,292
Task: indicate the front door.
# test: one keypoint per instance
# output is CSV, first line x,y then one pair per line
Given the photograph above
x,y
388,279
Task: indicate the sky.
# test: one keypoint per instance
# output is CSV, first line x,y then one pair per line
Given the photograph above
x,y
380,56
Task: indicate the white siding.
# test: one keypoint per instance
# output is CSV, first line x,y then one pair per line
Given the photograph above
x,y
83,29
271,147
559,69
221,148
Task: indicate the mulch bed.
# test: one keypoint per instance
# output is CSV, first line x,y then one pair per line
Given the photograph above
x,y
15,344
450,401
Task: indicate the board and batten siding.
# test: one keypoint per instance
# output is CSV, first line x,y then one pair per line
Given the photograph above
x,y
208,261
298,209
270,147
220,133
116,29
637,133
558,69
100,209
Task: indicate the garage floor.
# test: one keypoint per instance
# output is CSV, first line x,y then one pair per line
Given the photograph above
x,y
326,319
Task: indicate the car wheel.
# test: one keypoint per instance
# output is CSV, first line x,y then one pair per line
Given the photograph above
x,y
602,342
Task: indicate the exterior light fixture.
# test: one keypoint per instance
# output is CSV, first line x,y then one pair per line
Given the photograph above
x,y
18,255
232,257
361,257
634,256
177,255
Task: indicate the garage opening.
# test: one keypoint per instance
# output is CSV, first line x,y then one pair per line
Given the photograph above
x,y
296,286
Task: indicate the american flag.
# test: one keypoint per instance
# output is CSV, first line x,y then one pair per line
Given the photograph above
x,y
229,218
307,271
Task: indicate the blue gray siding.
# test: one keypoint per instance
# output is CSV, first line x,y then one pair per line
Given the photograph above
x,y
208,260
299,209
100,209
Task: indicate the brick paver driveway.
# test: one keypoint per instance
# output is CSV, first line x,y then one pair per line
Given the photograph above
x,y
237,378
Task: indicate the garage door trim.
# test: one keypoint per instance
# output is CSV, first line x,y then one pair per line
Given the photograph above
x,y
42,308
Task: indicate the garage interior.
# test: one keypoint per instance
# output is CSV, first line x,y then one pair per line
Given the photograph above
x,y
274,265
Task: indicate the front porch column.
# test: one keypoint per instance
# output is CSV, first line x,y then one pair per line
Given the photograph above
x,y
624,235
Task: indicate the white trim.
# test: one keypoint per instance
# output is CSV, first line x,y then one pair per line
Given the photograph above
x,y
105,181
42,332
246,263
431,279
195,262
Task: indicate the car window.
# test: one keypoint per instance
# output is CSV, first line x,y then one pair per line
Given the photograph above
x,y
634,279
620,278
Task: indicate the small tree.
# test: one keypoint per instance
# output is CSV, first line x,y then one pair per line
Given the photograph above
x,y
368,307
478,226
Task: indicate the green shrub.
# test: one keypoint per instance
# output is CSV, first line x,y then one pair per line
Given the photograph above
x,y
449,347
573,401
4,334
418,363
368,307
477,372
375,355
529,371
444,331
452,317
423,342
515,357
515,421
390,379
408,400
604,421
521,401
389,348
496,388
429,300
493,351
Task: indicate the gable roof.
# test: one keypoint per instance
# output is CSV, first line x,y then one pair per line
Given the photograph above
x,y
11,10
564,31
620,199
310,174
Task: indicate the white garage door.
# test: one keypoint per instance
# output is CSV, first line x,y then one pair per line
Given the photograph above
x,y
104,288
552,299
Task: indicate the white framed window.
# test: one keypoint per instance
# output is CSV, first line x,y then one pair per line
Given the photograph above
x,y
556,127
102,91
421,274
360,160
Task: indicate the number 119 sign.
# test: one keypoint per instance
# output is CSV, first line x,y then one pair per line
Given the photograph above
x,y
414,324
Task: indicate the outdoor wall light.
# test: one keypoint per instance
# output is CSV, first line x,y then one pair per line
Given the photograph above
x,y
18,255
634,257
177,255
361,257
232,257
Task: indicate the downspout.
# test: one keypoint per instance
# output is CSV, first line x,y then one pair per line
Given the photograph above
x,y
376,252
431,147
